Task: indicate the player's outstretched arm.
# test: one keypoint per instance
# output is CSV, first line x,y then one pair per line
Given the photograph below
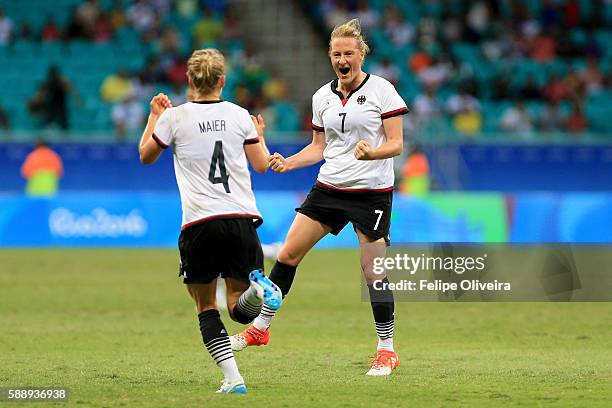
x,y
311,154
148,148
391,148
257,153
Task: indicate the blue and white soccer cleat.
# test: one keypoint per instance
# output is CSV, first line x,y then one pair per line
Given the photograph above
x,y
266,289
232,388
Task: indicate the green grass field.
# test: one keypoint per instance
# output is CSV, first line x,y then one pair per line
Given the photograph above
x,y
118,328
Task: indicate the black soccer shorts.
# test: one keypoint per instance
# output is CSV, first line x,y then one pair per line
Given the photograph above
x,y
228,247
369,212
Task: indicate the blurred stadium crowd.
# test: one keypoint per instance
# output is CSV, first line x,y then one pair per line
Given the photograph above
x,y
525,68
93,65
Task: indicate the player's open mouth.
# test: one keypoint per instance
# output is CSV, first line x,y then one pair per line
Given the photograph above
x,y
344,70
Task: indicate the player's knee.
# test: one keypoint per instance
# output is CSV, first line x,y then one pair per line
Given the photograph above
x,y
289,256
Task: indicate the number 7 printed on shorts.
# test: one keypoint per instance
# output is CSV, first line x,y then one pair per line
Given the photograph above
x,y
380,213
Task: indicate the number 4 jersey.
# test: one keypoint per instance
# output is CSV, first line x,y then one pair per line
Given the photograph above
x,y
345,122
209,160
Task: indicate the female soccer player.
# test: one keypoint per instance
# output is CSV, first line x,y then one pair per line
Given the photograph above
x,y
357,129
212,141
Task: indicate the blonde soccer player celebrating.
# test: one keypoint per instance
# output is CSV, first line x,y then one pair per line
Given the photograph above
x,y
212,140
357,130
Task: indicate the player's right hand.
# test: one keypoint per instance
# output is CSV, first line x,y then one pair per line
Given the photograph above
x,y
278,163
160,103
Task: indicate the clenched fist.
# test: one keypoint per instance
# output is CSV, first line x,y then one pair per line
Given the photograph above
x,y
160,103
363,150
278,163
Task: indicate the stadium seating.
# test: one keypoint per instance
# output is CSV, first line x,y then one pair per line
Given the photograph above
x,y
86,63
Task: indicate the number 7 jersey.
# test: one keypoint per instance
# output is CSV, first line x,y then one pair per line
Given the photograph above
x,y
345,122
209,160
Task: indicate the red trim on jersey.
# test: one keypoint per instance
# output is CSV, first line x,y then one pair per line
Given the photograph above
x,y
212,217
159,141
317,128
397,112
251,141
357,190
344,101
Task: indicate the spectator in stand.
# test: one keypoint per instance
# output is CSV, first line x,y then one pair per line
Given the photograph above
x,y
116,16
141,16
74,29
501,86
50,31
397,28
576,91
387,70
116,87
50,100
543,48
435,74
465,110
427,108
419,60
169,41
87,14
337,12
42,169
128,116
576,122
176,73
6,28
517,120
530,89
103,29
25,31
592,77
152,72
556,89
551,119
207,30
367,16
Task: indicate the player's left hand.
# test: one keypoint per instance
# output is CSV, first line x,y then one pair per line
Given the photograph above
x,y
363,150
260,125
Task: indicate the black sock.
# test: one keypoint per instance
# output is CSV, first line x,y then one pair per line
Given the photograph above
x,y
282,275
247,307
383,308
215,336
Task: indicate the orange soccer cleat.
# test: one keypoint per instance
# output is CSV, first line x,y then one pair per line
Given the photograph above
x,y
384,363
251,336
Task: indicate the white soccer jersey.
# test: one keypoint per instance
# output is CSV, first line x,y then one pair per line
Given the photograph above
x,y
209,160
346,122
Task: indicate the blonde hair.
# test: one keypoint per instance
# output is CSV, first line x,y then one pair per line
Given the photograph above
x,y
351,29
205,68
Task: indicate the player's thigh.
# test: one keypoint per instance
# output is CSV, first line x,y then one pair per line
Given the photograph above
x,y
302,236
204,295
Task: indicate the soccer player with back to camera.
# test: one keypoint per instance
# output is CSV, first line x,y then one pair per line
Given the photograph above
x,y
357,129
212,140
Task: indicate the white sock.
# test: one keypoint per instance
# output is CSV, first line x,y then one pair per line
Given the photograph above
x,y
230,370
385,344
264,319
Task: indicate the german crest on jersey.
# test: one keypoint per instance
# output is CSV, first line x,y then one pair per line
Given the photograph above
x,y
361,99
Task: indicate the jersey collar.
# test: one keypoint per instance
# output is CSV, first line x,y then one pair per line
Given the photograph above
x,y
334,85
206,102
